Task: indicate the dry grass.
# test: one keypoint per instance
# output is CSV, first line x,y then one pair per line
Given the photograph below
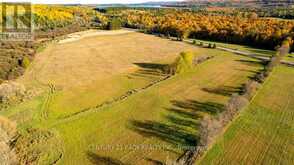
x,y
96,58
7,134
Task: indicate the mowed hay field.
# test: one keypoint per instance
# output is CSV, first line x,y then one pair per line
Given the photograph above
x,y
164,116
96,58
152,125
264,132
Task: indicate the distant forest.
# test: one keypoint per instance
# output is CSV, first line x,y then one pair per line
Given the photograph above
x,y
239,27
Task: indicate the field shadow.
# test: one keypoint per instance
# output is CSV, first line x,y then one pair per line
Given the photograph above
x,y
151,66
251,71
154,162
223,90
100,160
180,125
149,70
260,52
254,74
196,106
252,62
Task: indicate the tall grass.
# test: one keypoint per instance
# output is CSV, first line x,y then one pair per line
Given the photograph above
x,y
7,135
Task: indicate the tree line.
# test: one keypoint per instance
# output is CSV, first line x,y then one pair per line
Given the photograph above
x,y
238,29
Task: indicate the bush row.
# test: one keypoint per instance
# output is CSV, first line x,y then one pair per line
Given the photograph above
x,y
211,127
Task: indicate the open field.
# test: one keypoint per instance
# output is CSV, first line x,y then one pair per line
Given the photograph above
x,y
263,133
96,58
83,74
248,49
242,47
165,115
126,85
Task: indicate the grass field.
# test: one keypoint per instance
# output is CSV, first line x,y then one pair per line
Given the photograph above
x,y
146,127
259,52
166,115
93,59
263,133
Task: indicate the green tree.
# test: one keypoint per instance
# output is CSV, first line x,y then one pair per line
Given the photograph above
x,y
114,24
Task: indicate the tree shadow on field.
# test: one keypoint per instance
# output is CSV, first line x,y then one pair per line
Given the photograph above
x,y
223,90
250,71
252,62
260,52
149,70
196,106
181,123
154,162
100,160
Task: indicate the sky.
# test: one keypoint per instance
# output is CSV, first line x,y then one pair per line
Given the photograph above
x,y
84,1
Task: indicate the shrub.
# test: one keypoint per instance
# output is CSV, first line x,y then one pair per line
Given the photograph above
x,y
182,64
114,24
235,104
182,34
25,62
30,149
250,89
214,46
7,136
201,59
261,77
11,91
275,60
209,129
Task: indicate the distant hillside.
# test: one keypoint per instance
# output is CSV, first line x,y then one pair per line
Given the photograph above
x,y
236,3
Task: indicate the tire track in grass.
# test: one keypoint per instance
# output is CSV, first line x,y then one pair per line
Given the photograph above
x,y
45,106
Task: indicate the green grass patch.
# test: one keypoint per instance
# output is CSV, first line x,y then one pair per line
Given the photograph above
x,y
263,133
257,51
166,114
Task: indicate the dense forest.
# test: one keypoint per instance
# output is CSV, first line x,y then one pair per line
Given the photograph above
x,y
248,29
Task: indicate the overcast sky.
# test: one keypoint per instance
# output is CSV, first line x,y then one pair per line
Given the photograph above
x,y
85,1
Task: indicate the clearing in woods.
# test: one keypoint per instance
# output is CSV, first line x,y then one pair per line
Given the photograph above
x,y
263,133
146,127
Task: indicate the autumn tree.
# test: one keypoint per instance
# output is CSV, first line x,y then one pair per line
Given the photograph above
x,y
249,30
